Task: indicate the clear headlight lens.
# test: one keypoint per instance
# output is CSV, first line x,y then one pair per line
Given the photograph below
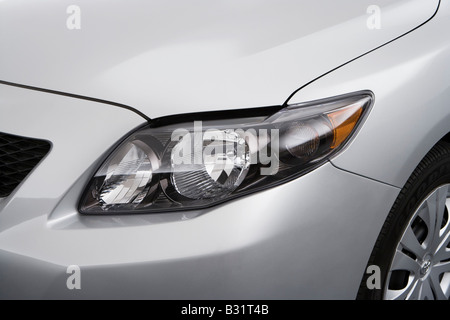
x,y
188,165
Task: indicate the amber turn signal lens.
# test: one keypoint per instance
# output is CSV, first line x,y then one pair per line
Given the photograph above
x,y
344,121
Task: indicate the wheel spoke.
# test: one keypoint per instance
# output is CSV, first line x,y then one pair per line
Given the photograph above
x,y
404,262
439,198
445,231
441,250
442,254
429,216
411,243
440,268
426,293
436,286
401,294
414,292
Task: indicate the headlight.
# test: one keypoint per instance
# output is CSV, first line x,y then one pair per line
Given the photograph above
x,y
173,165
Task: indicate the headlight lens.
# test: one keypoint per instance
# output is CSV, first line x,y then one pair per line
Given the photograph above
x,y
189,165
219,174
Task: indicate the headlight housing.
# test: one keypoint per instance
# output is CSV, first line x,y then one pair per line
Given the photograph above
x,y
180,165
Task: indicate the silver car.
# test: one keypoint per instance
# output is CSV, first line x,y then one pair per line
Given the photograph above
x,y
225,149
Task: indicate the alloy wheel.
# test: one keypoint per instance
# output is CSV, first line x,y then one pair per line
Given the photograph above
x,y
420,268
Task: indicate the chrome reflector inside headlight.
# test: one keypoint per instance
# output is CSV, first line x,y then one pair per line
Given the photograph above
x,y
187,165
224,163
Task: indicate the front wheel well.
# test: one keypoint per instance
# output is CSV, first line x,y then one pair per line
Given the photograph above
x,y
446,138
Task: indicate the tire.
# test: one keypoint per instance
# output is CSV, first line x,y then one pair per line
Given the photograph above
x,y
413,211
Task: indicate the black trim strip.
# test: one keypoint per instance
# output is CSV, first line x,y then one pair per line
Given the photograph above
x,y
77,96
215,115
350,61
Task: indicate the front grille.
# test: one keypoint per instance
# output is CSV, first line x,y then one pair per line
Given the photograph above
x,y
18,156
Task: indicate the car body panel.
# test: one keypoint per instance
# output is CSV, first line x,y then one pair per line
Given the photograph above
x,y
188,56
411,82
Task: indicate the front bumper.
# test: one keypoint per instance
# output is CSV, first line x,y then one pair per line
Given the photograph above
x,y
310,238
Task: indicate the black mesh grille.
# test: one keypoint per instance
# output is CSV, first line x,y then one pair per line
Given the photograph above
x,y
18,156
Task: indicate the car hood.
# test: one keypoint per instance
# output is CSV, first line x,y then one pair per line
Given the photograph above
x,y
168,57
